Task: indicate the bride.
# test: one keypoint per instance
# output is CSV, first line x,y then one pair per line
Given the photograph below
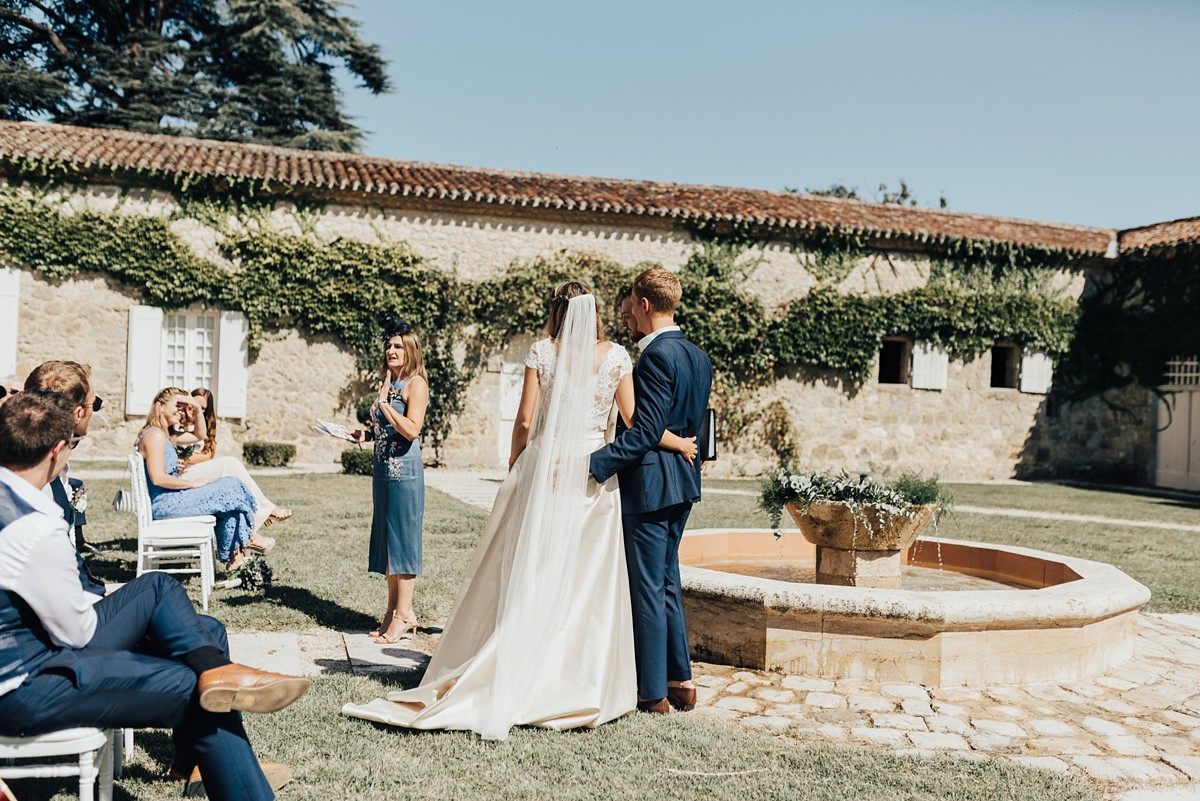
x,y
541,633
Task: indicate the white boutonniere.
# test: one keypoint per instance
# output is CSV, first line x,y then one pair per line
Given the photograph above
x,y
79,499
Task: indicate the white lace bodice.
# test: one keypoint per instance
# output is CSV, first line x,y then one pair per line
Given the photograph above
x,y
615,365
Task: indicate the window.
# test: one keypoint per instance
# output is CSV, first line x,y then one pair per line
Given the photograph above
x,y
189,350
186,349
1182,373
893,361
1005,364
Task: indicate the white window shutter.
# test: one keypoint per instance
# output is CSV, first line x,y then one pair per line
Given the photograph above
x,y
143,359
233,365
930,366
10,304
1037,372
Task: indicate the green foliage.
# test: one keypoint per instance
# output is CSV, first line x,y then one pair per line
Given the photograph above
x,y
244,70
357,462
827,329
268,454
1141,314
893,498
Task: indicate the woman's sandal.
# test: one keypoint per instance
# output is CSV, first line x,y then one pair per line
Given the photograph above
x,y
236,561
383,626
279,513
262,545
383,638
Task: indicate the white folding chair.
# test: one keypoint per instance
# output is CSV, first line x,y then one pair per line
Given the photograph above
x,y
93,747
173,545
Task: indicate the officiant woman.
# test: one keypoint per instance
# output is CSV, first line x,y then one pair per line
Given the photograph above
x,y
398,482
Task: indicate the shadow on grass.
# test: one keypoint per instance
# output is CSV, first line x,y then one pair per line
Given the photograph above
x,y
324,612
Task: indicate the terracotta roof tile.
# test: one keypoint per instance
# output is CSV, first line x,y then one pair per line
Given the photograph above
x,y
355,174
1160,234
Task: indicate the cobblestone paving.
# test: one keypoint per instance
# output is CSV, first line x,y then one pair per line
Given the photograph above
x,y
1137,726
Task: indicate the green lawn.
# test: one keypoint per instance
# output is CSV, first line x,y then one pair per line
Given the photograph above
x,y
321,581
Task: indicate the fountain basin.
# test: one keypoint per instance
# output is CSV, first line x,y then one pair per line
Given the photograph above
x,y
1074,618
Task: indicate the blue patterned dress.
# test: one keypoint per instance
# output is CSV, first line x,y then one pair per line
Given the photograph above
x,y
398,492
225,498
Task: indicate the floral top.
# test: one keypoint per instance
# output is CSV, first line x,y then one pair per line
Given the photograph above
x,y
390,443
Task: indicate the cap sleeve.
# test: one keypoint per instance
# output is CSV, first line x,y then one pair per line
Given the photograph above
x,y
624,364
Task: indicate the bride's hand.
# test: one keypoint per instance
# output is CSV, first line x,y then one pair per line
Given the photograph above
x,y
689,449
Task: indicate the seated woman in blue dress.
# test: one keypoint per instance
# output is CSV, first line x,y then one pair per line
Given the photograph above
x,y
227,498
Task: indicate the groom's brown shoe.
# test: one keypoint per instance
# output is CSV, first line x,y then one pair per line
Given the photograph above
x,y
658,707
276,775
682,698
248,690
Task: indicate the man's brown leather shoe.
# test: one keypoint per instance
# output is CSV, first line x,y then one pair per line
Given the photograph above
x,y
248,690
276,775
659,707
682,698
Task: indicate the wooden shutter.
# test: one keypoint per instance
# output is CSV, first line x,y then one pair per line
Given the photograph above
x,y
1037,372
143,359
10,304
930,365
233,365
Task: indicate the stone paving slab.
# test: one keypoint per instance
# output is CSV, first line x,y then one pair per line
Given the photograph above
x,y
278,652
368,657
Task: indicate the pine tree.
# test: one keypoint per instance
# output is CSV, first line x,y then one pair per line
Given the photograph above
x,y
241,70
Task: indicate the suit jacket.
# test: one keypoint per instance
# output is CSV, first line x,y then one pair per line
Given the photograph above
x,y
671,383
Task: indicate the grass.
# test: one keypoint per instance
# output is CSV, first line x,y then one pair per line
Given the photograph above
x,y
321,580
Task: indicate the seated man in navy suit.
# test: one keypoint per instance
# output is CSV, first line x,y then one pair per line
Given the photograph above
x,y
140,657
671,382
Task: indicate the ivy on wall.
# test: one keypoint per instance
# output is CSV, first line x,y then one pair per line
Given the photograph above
x,y
978,293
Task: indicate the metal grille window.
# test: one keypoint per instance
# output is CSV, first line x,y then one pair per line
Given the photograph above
x,y
189,350
1183,372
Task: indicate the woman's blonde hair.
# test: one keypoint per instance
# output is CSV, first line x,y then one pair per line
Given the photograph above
x,y
157,417
414,358
559,301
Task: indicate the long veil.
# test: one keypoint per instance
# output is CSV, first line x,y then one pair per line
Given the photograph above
x,y
530,617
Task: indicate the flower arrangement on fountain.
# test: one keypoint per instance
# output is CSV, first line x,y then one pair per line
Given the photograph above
x,y
875,515
860,527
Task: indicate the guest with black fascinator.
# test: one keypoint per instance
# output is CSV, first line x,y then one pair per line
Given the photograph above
x,y
398,483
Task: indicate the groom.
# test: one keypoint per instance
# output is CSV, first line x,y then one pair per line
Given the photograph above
x,y
671,382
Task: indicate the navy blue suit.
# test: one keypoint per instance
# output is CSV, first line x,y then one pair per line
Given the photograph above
x,y
671,383
130,675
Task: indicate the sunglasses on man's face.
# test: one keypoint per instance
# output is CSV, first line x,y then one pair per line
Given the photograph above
x,y
97,402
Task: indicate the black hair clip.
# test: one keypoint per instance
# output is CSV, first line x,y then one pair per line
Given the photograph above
x,y
394,327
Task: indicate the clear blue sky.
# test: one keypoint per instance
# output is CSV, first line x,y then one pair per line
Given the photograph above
x,y
1080,112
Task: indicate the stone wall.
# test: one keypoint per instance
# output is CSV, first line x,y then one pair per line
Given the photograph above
x,y
967,431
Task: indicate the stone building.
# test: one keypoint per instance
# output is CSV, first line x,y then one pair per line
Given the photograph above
x,y
981,418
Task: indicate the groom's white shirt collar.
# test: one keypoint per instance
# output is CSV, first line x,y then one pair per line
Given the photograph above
x,y
645,341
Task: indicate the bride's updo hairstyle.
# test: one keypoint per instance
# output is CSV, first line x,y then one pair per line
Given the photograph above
x,y
558,308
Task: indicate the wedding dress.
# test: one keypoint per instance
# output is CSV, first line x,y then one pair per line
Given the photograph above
x,y
541,633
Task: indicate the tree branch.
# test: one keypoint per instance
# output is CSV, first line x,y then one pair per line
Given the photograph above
x,y
39,28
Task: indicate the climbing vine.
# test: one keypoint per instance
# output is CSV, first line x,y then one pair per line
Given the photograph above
x,y
977,293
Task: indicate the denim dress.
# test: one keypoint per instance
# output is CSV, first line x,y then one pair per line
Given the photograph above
x,y
398,492
226,498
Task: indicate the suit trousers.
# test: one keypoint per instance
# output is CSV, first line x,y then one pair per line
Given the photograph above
x,y
129,676
660,639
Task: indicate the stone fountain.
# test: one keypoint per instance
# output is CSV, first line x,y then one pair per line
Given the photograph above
x,y
960,613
